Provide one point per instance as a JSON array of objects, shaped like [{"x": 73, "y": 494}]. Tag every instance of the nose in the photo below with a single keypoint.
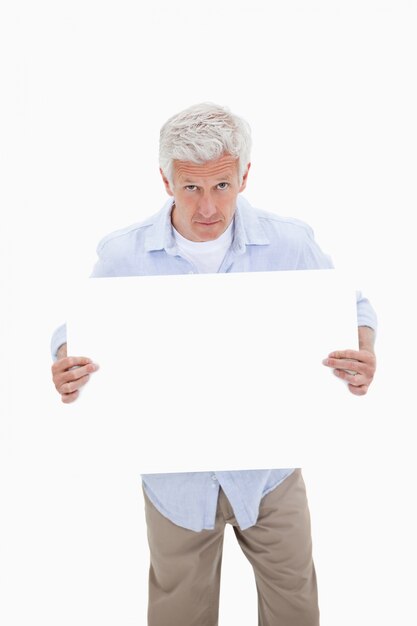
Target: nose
[{"x": 207, "y": 207}]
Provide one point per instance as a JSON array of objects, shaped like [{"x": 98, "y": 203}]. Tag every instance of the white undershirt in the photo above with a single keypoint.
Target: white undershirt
[{"x": 207, "y": 256}]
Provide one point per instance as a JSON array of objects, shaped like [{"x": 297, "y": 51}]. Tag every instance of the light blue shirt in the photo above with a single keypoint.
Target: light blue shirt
[{"x": 262, "y": 241}]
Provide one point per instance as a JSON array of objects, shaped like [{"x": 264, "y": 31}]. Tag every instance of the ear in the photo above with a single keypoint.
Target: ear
[
  {"x": 166, "y": 183},
  {"x": 245, "y": 177}
]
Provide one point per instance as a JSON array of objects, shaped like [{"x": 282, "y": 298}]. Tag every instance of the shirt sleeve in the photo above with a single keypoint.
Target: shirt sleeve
[
  {"x": 111, "y": 257},
  {"x": 314, "y": 258},
  {"x": 366, "y": 313},
  {"x": 58, "y": 338},
  {"x": 103, "y": 267},
  {"x": 311, "y": 255}
]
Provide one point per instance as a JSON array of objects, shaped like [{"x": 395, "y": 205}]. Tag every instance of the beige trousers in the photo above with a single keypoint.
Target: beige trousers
[{"x": 184, "y": 576}]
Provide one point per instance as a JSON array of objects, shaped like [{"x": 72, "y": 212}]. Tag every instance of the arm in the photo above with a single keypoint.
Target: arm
[
  {"x": 356, "y": 367},
  {"x": 69, "y": 374}
]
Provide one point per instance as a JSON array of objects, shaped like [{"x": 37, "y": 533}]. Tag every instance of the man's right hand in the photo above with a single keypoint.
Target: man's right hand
[{"x": 69, "y": 373}]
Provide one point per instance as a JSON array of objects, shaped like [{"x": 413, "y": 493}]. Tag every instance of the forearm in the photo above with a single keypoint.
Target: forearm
[{"x": 366, "y": 336}]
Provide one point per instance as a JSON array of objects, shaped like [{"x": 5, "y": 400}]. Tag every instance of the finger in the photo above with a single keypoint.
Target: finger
[
  {"x": 70, "y": 397},
  {"x": 350, "y": 367},
  {"x": 68, "y": 388},
  {"x": 362, "y": 356},
  {"x": 344, "y": 354},
  {"x": 73, "y": 374},
  {"x": 68, "y": 362},
  {"x": 355, "y": 380},
  {"x": 358, "y": 391},
  {"x": 83, "y": 370},
  {"x": 76, "y": 373},
  {"x": 344, "y": 364}
]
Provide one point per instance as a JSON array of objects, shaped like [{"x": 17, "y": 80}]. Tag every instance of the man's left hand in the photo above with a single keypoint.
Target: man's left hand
[{"x": 356, "y": 367}]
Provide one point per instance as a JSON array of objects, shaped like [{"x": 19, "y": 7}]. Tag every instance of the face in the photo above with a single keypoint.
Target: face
[{"x": 205, "y": 196}]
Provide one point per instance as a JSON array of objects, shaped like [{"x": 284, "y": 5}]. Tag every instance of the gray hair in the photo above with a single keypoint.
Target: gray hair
[{"x": 201, "y": 133}]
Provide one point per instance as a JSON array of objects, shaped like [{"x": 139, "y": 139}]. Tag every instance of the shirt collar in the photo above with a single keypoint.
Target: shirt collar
[
  {"x": 159, "y": 235},
  {"x": 248, "y": 229}
]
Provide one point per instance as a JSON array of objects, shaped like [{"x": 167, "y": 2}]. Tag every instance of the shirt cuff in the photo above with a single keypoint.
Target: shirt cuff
[{"x": 58, "y": 338}]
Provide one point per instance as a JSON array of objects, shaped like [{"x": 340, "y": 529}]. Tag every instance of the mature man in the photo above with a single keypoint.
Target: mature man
[{"x": 207, "y": 227}]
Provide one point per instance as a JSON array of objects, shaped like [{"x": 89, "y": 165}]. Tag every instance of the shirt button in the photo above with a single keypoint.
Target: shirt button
[{"x": 213, "y": 477}]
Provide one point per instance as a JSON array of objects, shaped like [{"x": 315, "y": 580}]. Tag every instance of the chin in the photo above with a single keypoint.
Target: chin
[
  {"x": 208, "y": 236},
  {"x": 205, "y": 233}
]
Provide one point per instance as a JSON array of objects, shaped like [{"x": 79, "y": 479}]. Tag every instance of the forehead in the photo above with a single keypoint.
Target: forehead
[{"x": 225, "y": 166}]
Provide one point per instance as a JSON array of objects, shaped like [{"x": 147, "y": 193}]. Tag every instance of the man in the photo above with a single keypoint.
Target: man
[{"x": 207, "y": 227}]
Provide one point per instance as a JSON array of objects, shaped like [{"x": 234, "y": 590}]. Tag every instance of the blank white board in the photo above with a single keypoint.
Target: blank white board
[{"x": 223, "y": 370}]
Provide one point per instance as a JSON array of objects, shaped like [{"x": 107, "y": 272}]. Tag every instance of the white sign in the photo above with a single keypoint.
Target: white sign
[{"x": 223, "y": 371}]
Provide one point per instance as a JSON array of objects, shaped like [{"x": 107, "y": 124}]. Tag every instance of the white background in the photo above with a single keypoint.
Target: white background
[{"x": 329, "y": 90}]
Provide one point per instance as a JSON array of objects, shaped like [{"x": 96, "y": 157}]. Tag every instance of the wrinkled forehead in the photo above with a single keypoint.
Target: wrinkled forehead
[{"x": 224, "y": 167}]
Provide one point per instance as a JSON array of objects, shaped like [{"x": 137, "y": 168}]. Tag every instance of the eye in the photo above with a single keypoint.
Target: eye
[
  {"x": 191, "y": 187},
  {"x": 225, "y": 187}
]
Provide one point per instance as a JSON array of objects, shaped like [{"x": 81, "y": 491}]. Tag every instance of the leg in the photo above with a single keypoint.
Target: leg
[
  {"x": 184, "y": 575},
  {"x": 279, "y": 548}
]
